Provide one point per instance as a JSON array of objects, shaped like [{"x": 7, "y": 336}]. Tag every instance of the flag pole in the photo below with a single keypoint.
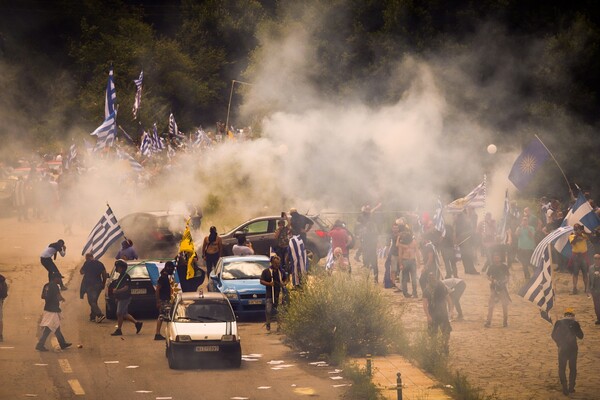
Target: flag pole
[{"x": 558, "y": 165}]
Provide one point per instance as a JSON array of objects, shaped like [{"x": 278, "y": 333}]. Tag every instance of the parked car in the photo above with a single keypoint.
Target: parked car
[
  {"x": 238, "y": 278},
  {"x": 143, "y": 296},
  {"x": 154, "y": 233},
  {"x": 261, "y": 233},
  {"x": 202, "y": 326}
]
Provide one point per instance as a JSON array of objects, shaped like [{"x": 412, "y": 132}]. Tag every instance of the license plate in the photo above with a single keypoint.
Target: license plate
[
  {"x": 207, "y": 348},
  {"x": 138, "y": 291},
  {"x": 256, "y": 301}
]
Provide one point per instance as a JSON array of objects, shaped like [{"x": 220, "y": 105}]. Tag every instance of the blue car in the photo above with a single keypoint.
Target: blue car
[{"x": 238, "y": 278}]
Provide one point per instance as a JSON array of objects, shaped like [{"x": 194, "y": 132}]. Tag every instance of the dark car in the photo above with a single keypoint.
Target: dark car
[
  {"x": 238, "y": 278},
  {"x": 261, "y": 233},
  {"x": 154, "y": 233},
  {"x": 143, "y": 296}
]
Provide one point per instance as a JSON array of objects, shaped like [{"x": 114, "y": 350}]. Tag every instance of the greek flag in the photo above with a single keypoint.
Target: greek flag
[
  {"x": 103, "y": 235},
  {"x": 475, "y": 199},
  {"x": 173, "y": 131},
  {"x": 146, "y": 145},
  {"x": 329, "y": 260},
  {"x": 105, "y": 133},
  {"x": 539, "y": 289},
  {"x": 157, "y": 144},
  {"x": 71, "y": 156},
  {"x": 138, "y": 94},
  {"x": 111, "y": 95},
  {"x": 201, "y": 138},
  {"x": 299, "y": 259},
  {"x": 582, "y": 213},
  {"x": 551, "y": 238},
  {"x": 136, "y": 166},
  {"x": 438, "y": 219},
  {"x": 505, "y": 213}
]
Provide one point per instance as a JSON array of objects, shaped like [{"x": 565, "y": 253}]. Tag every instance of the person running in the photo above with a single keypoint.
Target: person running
[
  {"x": 47, "y": 256},
  {"x": 565, "y": 334},
  {"x": 212, "y": 248},
  {"x": 51, "y": 317},
  {"x": 94, "y": 279},
  {"x": 121, "y": 289}
]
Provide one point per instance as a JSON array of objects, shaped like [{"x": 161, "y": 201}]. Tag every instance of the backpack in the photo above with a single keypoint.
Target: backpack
[{"x": 3, "y": 287}]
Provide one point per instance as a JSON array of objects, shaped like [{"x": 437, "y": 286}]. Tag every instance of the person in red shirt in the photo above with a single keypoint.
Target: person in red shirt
[{"x": 340, "y": 237}]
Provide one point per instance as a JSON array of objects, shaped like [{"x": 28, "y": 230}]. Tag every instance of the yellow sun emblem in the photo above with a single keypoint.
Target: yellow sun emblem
[{"x": 528, "y": 164}]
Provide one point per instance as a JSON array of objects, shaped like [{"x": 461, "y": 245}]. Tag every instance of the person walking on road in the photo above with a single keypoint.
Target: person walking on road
[
  {"x": 52, "y": 313},
  {"x": 163, "y": 296},
  {"x": 47, "y": 256},
  {"x": 273, "y": 279},
  {"x": 407, "y": 257},
  {"x": 498, "y": 274},
  {"x": 121, "y": 289},
  {"x": 212, "y": 248},
  {"x": 565, "y": 334},
  {"x": 593, "y": 285},
  {"x": 456, "y": 287},
  {"x": 94, "y": 279},
  {"x": 3, "y": 296},
  {"x": 525, "y": 245}
]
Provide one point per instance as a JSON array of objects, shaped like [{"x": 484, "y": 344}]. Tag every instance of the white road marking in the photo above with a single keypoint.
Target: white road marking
[
  {"x": 264, "y": 387},
  {"x": 164, "y": 398},
  {"x": 342, "y": 385},
  {"x": 275, "y": 362},
  {"x": 6, "y": 348},
  {"x": 76, "y": 387},
  {"x": 132, "y": 366},
  {"x": 41, "y": 365},
  {"x": 239, "y": 398},
  {"x": 335, "y": 378},
  {"x": 143, "y": 391},
  {"x": 335, "y": 371},
  {"x": 111, "y": 362},
  {"x": 254, "y": 355},
  {"x": 65, "y": 366},
  {"x": 30, "y": 395}
]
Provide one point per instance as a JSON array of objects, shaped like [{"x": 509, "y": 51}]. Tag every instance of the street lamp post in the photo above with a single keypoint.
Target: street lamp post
[{"x": 233, "y": 82}]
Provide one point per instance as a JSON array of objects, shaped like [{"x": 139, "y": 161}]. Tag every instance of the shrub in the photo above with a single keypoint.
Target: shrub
[
  {"x": 362, "y": 387},
  {"x": 341, "y": 315}
]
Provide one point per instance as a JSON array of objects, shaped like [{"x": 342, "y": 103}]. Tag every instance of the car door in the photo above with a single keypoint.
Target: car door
[{"x": 258, "y": 233}]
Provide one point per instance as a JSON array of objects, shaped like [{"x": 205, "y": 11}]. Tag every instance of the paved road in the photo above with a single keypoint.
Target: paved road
[{"x": 131, "y": 366}]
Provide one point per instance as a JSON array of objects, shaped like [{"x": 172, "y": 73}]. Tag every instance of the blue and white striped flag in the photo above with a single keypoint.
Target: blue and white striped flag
[
  {"x": 438, "y": 219},
  {"x": 71, "y": 156},
  {"x": 136, "y": 166},
  {"x": 111, "y": 95},
  {"x": 138, "y": 94},
  {"x": 539, "y": 289},
  {"x": 299, "y": 259},
  {"x": 146, "y": 145},
  {"x": 329, "y": 260},
  {"x": 173, "y": 131},
  {"x": 505, "y": 213},
  {"x": 549, "y": 240},
  {"x": 157, "y": 144},
  {"x": 582, "y": 213},
  {"x": 105, "y": 133},
  {"x": 475, "y": 199},
  {"x": 103, "y": 235}
]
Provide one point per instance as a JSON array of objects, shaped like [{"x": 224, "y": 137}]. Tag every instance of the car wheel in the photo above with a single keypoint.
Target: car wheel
[
  {"x": 174, "y": 362},
  {"x": 111, "y": 309},
  {"x": 236, "y": 358},
  {"x": 312, "y": 256}
]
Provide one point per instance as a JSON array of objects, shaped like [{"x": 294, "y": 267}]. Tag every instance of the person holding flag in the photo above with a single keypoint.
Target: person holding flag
[
  {"x": 186, "y": 260},
  {"x": 578, "y": 261}
]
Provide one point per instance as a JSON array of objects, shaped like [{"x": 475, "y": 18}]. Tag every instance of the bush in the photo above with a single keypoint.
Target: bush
[
  {"x": 341, "y": 315},
  {"x": 362, "y": 387}
]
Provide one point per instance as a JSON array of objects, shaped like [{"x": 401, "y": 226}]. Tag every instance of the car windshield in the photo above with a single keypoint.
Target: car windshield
[
  {"x": 244, "y": 269},
  {"x": 203, "y": 310},
  {"x": 138, "y": 271}
]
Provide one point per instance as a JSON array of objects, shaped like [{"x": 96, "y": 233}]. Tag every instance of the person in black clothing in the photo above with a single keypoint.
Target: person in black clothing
[
  {"x": 94, "y": 279},
  {"x": 448, "y": 252},
  {"x": 121, "y": 289},
  {"x": 47, "y": 256},
  {"x": 435, "y": 305},
  {"x": 498, "y": 274},
  {"x": 300, "y": 224},
  {"x": 465, "y": 237},
  {"x": 274, "y": 279},
  {"x": 51, "y": 316},
  {"x": 565, "y": 334},
  {"x": 163, "y": 296}
]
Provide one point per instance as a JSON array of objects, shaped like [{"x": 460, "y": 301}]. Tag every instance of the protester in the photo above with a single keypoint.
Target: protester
[
  {"x": 273, "y": 279},
  {"x": 300, "y": 224},
  {"x": 127, "y": 251},
  {"x": 340, "y": 237},
  {"x": 465, "y": 236},
  {"x": 3, "y": 296},
  {"x": 578, "y": 261},
  {"x": 498, "y": 275},
  {"x": 448, "y": 252},
  {"x": 593, "y": 285},
  {"x": 435, "y": 305},
  {"x": 47, "y": 256},
  {"x": 163, "y": 296},
  {"x": 121, "y": 289},
  {"x": 525, "y": 245},
  {"x": 52, "y": 313},
  {"x": 340, "y": 263},
  {"x": 487, "y": 232},
  {"x": 212, "y": 249},
  {"x": 282, "y": 239},
  {"x": 20, "y": 199},
  {"x": 407, "y": 256},
  {"x": 369, "y": 246},
  {"x": 392, "y": 266},
  {"x": 243, "y": 247},
  {"x": 456, "y": 287},
  {"x": 94, "y": 279},
  {"x": 565, "y": 334}
]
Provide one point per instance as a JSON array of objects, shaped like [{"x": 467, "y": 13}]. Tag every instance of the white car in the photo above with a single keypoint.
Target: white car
[{"x": 202, "y": 326}]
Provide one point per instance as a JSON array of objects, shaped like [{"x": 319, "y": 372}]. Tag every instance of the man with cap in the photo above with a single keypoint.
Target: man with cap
[
  {"x": 565, "y": 334},
  {"x": 121, "y": 290},
  {"x": 51, "y": 316}
]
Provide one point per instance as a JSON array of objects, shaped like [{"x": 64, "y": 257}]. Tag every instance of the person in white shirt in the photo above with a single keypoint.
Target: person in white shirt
[
  {"x": 47, "y": 256},
  {"x": 243, "y": 247}
]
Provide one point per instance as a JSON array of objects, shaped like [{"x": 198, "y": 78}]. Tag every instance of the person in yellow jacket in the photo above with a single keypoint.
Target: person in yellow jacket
[{"x": 578, "y": 261}]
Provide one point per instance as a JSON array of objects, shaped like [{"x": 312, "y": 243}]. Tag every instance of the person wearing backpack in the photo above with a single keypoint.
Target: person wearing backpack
[
  {"x": 565, "y": 334},
  {"x": 3, "y": 295}
]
